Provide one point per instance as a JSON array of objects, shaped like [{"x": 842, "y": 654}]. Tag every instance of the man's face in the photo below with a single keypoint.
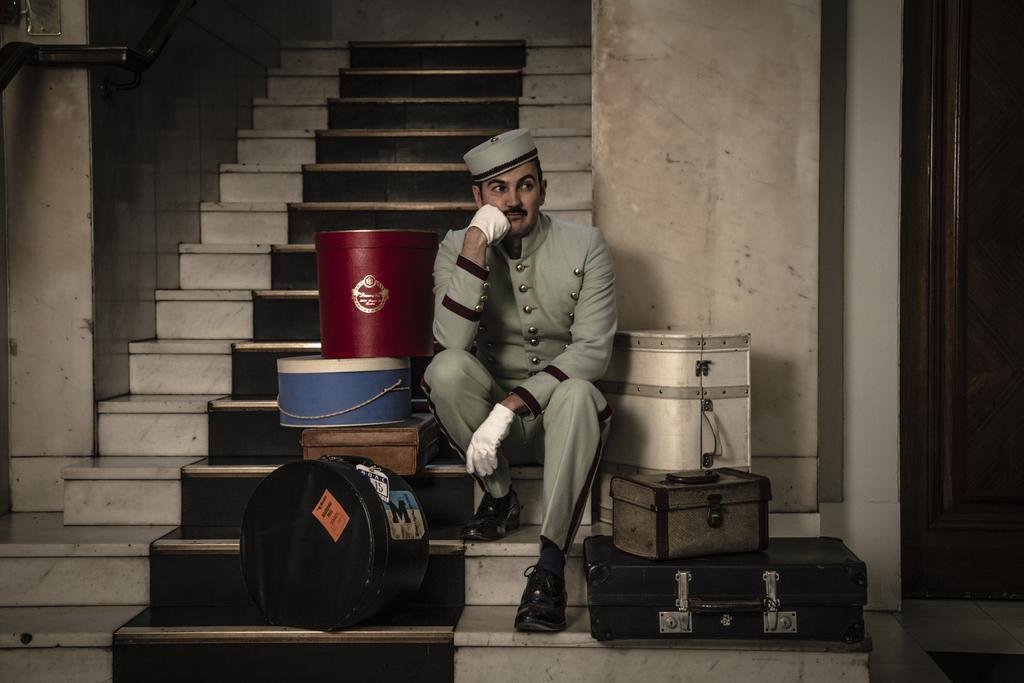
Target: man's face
[{"x": 517, "y": 194}]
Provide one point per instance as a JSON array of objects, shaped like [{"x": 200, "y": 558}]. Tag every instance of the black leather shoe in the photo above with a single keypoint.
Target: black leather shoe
[
  {"x": 493, "y": 519},
  {"x": 543, "y": 605}
]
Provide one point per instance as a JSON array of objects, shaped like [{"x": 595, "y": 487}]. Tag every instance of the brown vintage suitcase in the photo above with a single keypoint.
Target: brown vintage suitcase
[
  {"x": 690, "y": 513},
  {"x": 402, "y": 447}
]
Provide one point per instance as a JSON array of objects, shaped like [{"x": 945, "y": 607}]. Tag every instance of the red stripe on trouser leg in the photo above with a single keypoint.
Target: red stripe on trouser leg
[{"x": 581, "y": 501}]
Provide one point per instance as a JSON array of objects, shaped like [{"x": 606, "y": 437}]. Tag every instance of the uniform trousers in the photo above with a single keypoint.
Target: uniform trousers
[{"x": 566, "y": 438}]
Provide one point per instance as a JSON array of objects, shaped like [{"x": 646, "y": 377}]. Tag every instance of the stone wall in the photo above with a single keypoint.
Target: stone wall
[{"x": 706, "y": 187}]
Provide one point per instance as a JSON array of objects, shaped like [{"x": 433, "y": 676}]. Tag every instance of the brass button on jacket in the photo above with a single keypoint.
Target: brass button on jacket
[
  {"x": 535, "y": 360},
  {"x": 527, "y": 309},
  {"x": 577, "y": 272},
  {"x": 532, "y": 329},
  {"x": 534, "y": 342},
  {"x": 520, "y": 267},
  {"x": 524, "y": 288},
  {"x": 575, "y": 295}
]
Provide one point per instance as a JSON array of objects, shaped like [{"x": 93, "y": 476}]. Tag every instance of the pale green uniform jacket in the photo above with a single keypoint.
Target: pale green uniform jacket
[{"x": 538, "y": 320}]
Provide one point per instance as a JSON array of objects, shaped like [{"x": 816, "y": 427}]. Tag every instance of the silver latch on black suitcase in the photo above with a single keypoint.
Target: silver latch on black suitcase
[
  {"x": 681, "y": 621},
  {"x": 774, "y": 620}
]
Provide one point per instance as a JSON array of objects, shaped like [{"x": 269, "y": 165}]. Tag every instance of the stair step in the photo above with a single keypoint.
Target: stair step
[
  {"x": 284, "y": 146},
  {"x": 289, "y": 113},
  {"x": 43, "y": 562},
  {"x": 398, "y": 146},
  {"x": 195, "y": 566},
  {"x": 567, "y": 55},
  {"x": 494, "y": 570},
  {"x": 62, "y": 643},
  {"x": 243, "y": 222},
  {"x": 286, "y": 315},
  {"x": 301, "y": 83},
  {"x": 376, "y": 82},
  {"x": 254, "y": 365},
  {"x": 216, "y": 495},
  {"x": 422, "y": 182},
  {"x": 293, "y": 266},
  {"x": 273, "y": 182},
  {"x": 424, "y": 112},
  {"x": 204, "y": 314},
  {"x": 180, "y": 366},
  {"x": 487, "y": 643},
  {"x": 235, "y": 643},
  {"x": 402, "y": 146},
  {"x": 250, "y": 428},
  {"x": 493, "y": 53},
  {"x": 314, "y": 56},
  {"x": 154, "y": 425},
  {"x": 305, "y": 219},
  {"x": 224, "y": 266},
  {"x": 126, "y": 491}
]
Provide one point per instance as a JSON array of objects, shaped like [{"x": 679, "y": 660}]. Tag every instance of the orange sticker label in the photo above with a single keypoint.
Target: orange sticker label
[{"x": 330, "y": 513}]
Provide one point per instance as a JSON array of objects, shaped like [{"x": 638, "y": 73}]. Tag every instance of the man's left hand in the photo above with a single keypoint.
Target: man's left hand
[{"x": 482, "y": 454}]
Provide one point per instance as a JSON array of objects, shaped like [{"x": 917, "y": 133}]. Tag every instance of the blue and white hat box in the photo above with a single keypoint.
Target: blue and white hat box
[{"x": 343, "y": 392}]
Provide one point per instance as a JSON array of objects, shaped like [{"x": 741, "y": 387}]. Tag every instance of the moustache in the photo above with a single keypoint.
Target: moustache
[{"x": 511, "y": 214}]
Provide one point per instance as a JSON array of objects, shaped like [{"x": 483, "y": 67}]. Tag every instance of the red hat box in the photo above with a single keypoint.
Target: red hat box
[{"x": 376, "y": 292}]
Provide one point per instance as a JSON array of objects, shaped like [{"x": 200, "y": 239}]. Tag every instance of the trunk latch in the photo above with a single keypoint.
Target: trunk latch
[
  {"x": 774, "y": 620},
  {"x": 715, "y": 510},
  {"x": 681, "y": 621}
]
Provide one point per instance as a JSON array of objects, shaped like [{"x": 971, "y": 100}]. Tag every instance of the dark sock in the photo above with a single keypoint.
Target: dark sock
[{"x": 551, "y": 558}]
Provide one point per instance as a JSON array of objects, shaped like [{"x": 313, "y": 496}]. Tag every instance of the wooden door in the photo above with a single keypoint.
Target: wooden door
[{"x": 962, "y": 299}]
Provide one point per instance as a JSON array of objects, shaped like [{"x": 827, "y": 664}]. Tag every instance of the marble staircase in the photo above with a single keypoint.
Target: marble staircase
[{"x": 140, "y": 574}]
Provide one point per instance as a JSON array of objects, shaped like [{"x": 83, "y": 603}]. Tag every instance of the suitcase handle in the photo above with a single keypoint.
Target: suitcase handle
[
  {"x": 350, "y": 459},
  {"x": 725, "y": 606},
  {"x": 707, "y": 458},
  {"x": 691, "y": 477}
]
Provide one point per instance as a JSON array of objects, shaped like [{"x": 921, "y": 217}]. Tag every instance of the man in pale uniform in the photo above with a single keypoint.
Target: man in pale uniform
[{"x": 525, "y": 310}]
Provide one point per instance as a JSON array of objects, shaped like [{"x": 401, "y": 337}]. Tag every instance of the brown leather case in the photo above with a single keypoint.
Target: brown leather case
[
  {"x": 404, "y": 447},
  {"x": 688, "y": 514}
]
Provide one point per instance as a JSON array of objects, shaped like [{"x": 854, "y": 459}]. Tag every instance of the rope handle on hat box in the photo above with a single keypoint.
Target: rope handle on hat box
[{"x": 394, "y": 387}]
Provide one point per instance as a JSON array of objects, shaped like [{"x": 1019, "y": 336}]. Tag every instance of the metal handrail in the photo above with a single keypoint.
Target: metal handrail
[{"x": 15, "y": 55}]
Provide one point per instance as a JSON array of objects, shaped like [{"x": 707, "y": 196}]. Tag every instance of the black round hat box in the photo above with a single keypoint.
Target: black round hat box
[{"x": 329, "y": 543}]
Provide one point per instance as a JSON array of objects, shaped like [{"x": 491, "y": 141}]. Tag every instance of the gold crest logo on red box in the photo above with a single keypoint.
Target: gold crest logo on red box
[{"x": 369, "y": 295}]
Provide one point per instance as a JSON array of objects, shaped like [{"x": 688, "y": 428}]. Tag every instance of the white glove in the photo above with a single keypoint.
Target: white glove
[
  {"x": 492, "y": 223},
  {"x": 482, "y": 454}
]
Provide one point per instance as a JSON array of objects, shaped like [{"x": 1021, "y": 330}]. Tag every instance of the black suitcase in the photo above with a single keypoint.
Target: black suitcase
[{"x": 795, "y": 589}]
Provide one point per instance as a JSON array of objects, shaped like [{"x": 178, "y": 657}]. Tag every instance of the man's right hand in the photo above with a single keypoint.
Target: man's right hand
[{"x": 492, "y": 222}]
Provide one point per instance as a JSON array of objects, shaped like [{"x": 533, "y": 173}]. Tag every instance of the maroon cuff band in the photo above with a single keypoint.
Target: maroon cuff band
[
  {"x": 472, "y": 268},
  {"x": 529, "y": 400},
  {"x": 460, "y": 310},
  {"x": 604, "y": 414},
  {"x": 556, "y": 373}
]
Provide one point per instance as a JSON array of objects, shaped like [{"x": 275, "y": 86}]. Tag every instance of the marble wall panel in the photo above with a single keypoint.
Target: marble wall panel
[
  {"x": 706, "y": 184},
  {"x": 49, "y": 205},
  {"x": 79, "y": 664},
  {"x": 37, "y": 484},
  {"x": 5, "y": 370},
  {"x": 156, "y": 152},
  {"x": 869, "y": 516}
]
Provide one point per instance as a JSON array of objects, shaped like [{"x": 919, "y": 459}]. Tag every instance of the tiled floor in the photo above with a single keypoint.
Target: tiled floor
[{"x": 903, "y": 639}]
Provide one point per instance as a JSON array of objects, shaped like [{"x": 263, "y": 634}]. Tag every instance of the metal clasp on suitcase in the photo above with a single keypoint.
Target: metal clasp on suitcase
[
  {"x": 774, "y": 620},
  {"x": 681, "y": 621}
]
